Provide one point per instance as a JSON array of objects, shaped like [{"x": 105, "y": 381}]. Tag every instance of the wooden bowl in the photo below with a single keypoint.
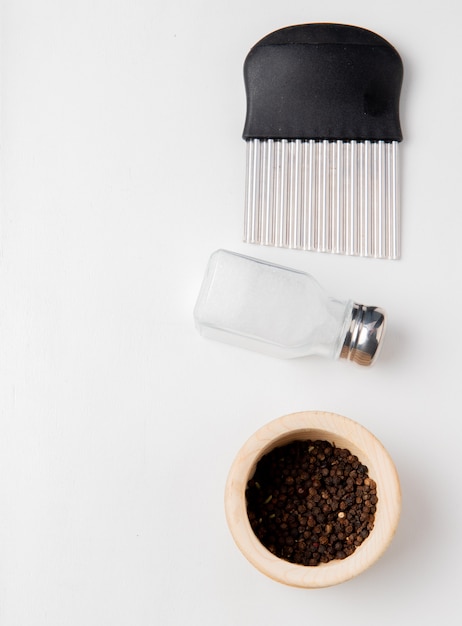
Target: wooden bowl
[{"x": 343, "y": 433}]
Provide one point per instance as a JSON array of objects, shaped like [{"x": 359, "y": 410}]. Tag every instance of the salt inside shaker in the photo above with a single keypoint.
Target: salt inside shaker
[{"x": 283, "y": 312}]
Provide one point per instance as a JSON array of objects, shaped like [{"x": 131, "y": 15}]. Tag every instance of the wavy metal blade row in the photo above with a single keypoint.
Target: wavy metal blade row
[{"x": 326, "y": 196}]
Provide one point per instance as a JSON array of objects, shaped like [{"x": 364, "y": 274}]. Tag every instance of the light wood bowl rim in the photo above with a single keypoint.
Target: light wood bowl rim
[{"x": 345, "y": 433}]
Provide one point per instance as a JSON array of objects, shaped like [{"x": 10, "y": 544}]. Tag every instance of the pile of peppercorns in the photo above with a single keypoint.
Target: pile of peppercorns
[{"x": 310, "y": 502}]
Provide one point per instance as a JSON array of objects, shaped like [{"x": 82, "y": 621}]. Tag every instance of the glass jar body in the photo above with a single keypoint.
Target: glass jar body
[{"x": 272, "y": 309}]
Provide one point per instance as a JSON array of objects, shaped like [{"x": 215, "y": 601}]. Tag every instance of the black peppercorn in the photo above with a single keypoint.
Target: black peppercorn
[{"x": 310, "y": 502}]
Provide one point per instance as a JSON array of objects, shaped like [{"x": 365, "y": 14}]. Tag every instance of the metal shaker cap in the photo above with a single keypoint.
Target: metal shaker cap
[{"x": 364, "y": 336}]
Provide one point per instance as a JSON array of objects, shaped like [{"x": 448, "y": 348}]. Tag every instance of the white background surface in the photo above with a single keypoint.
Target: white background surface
[{"x": 122, "y": 170}]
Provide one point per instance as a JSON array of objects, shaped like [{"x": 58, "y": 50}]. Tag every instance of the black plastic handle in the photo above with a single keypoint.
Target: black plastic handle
[{"x": 323, "y": 81}]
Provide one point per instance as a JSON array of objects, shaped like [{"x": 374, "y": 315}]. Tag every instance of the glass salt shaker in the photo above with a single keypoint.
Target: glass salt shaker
[{"x": 283, "y": 312}]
